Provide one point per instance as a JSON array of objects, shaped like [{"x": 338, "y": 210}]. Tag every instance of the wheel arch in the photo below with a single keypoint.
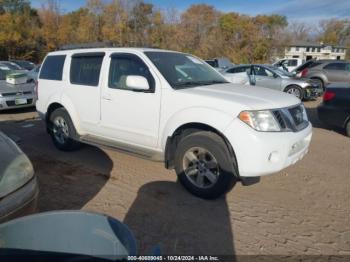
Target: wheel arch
[
  {"x": 68, "y": 106},
  {"x": 186, "y": 129}
]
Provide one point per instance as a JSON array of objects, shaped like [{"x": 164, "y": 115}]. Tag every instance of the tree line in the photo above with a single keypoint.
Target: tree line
[{"x": 29, "y": 33}]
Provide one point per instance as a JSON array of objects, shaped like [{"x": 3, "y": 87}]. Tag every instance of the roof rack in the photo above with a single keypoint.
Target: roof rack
[{"x": 87, "y": 45}]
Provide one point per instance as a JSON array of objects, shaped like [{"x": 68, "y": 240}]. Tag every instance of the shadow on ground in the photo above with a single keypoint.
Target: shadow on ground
[
  {"x": 164, "y": 213},
  {"x": 65, "y": 179}
]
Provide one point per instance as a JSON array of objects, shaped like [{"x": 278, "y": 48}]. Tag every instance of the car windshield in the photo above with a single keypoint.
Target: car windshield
[
  {"x": 184, "y": 71},
  {"x": 11, "y": 66}
]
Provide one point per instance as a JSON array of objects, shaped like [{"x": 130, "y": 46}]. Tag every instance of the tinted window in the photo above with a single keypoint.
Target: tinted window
[
  {"x": 335, "y": 66},
  {"x": 123, "y": 65},
  {"x": 53, "y": 67},
  {"x": 85, "y": 69},
  {"x": 237, "y": 70}
]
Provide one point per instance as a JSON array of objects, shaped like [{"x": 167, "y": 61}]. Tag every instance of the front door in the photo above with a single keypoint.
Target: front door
[
  {"x": 128, "y": 115},
  {"x": 266, "y": 78}
]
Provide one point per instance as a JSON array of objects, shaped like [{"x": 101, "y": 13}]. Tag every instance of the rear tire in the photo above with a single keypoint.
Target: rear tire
[
  {"x": 347, "y": 129},
  {"x": 62, "y": 130},
  {"x": 295, "y": 90},
  {"x": 204, "y": 165}
]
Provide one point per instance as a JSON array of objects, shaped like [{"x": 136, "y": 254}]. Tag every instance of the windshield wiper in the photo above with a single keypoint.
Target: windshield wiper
[{"x": 199, "y": 83}]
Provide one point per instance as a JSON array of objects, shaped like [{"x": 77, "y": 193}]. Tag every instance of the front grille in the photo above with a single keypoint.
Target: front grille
[
  {"x": 297, "y": 115},
  {"x": 12, "y": 103},
  {"x": 291, "y": 119},
  {"x": 280, "y": 120},
  {"x": 19, "y": 93}
]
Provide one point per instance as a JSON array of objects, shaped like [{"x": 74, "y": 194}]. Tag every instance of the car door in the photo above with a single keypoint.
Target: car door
[
  {"x": 266, "y": 78},
  {"x": 128, "y": 115},
  {"x": 336, "y": 72},
  {"x": 83, "y": 87},
  {"x": 237, "y": 75}
]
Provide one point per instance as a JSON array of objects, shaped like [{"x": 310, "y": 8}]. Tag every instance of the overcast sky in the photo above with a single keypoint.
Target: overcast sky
[{"x": 299, "y": 10}]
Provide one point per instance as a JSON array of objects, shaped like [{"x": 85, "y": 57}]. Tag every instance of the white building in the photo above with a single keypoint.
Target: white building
[{"x": 307, "y": 51}]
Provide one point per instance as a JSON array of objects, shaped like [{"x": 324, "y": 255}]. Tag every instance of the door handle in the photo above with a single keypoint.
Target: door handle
[{"x": 107, "y": 97}]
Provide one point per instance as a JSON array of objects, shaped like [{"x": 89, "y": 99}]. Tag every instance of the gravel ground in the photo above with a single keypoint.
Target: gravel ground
[{"x": 303, "y": 210}]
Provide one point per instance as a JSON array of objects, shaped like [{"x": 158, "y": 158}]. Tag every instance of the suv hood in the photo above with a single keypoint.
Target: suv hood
[{"x": 250, "y": 97}]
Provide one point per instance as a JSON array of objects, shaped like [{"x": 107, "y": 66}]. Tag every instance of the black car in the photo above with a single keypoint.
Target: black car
[{"x": 335, "y": 109}]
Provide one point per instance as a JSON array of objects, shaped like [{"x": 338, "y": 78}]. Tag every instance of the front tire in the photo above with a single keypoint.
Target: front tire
[
  {"x": 319, "y": 82},
  {"x": 62, "y": 130},
  {"x": 295, "y": 90},
  {"x": 204, "y": 165}
]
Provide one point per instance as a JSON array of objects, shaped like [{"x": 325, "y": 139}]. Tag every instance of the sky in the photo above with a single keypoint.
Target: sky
[{"x": 294, "y": 10}]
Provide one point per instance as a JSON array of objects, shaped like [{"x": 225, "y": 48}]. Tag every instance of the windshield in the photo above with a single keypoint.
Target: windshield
[
  {"x": 183, "y": 71},
  {"x": 11, "y": 66}
]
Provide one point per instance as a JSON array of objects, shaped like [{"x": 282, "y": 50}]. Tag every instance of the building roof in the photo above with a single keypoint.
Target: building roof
[{"x": 308, "y": 44}]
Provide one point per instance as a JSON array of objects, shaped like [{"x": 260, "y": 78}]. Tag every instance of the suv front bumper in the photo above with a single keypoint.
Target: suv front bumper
[
  {"x": 264, "y": 153},
  {"x": 11, "y": 102}
]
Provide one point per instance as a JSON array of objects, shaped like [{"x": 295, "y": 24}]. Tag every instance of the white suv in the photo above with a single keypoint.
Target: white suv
[{"x": 172, "y": 107}]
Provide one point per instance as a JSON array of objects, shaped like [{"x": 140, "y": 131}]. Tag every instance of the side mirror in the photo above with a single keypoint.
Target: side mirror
[
  {"x": 275, "y": 75},
  {"x": 137, "y": 83},
  {"x": 252, "y": 80}
]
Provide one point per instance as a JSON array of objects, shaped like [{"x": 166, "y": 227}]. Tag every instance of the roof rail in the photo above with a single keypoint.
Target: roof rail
[{"x": 87, "y": 45}]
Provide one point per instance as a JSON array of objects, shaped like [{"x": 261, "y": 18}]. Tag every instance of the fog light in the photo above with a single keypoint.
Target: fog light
[{"x": 274, "y": 157}]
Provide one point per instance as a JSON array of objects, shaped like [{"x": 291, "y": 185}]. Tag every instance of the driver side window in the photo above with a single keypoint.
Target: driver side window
[{"x": 123, "y": 65}]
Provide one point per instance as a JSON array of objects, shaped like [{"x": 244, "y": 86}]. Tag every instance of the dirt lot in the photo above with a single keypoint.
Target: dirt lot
[{"x": 305, "y": 209}]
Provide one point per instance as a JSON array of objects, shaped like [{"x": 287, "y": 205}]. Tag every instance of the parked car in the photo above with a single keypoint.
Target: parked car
[
  {"x": 325, "y": 72},
  {"x": 33, "y": 74},
  {"x": 24, "y": 64},
  {"x": 335, "y": 108},
  {"x": 220, "y": 63},
  {"x": 6, "y": 65},
  {"x": 171, "y": 107},
  {"x": 272, "y": 77},
  {"x": 302, "y": 69},
  {"x": 288, "y": 64},
  {"x": 15, "y": 96},
  {"x": 18, "y": 185}
]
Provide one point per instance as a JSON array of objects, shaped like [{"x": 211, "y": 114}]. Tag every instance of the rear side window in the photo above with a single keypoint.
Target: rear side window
[
  {"x": 335, "y": 66},
  {"x": 85, "y": 68},
  {"x": 53, "y": 67},
  {"x": 237, "y": 70}
]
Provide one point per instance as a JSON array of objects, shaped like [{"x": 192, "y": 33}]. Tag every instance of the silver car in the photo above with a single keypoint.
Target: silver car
[
  {"x": 15, "y": 96},
  {"x": 18, "y": 184},
  {"x": 272, "y": 77}
]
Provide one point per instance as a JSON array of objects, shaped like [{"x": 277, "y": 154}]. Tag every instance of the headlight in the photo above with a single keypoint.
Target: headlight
[
  {"x": 260, "y": 120},
  {"x": 19, "y": 172}
]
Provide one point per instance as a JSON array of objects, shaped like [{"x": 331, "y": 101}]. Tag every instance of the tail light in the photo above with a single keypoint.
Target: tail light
[
  {"x": 304, "y": 72},
  {"x": 328, "y": 96}
]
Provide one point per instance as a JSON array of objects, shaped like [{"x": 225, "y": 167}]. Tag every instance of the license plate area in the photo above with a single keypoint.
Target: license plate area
[{"x": 20, "y": 101}]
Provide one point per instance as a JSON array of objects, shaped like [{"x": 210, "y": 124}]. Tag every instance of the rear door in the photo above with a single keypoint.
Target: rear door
[
  {"x": 83, "y": 88},
  {"x": 237, "y": 75},
  {"x": 127, "y": 115}
]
